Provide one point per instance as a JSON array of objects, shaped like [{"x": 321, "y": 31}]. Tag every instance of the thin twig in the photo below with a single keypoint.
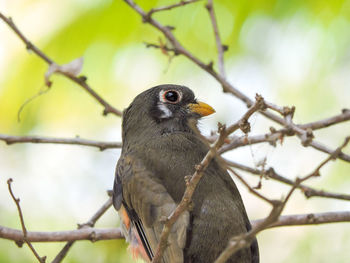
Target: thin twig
[
  {"x": 9, "y": 139},
  {"x": 253, "y": 191},
  {"x": 332, "y": 156},
  {"x": 272, "y": 138},
  {"x": 243, "y": 241},
  {"x": 221, "y": 48},
  {"x": 271, "y": 173},
  {"x": 169, "y": 7},
  {"x": 24, "y": 229},
  {"x": 88, "y": 224},
  {"x": 79, "y": 80},
  {"x": 275, "y": 135}
]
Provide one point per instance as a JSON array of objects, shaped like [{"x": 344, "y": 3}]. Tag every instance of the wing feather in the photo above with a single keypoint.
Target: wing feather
[{"x": 147, "y": 203}]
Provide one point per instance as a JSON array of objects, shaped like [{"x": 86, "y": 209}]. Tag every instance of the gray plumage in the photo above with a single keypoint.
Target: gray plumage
[{"x": 159, "y": 150}]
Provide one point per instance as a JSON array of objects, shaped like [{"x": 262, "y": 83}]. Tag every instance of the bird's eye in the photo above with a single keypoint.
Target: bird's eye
[{"x": 171, "y": 96}]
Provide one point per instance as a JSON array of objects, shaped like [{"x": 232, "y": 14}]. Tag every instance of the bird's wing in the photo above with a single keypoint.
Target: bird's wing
[{"x": 146, "y": 202}]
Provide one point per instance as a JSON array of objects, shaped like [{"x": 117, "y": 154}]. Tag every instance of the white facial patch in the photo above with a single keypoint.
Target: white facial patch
[{"x": 164, "y": 109}]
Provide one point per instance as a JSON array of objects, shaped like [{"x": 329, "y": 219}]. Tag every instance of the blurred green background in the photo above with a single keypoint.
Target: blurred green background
[{"x": 291, "y": 52}]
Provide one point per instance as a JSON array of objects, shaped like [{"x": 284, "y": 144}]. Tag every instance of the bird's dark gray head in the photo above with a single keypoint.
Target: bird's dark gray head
[{"x": 163, "y": 109}]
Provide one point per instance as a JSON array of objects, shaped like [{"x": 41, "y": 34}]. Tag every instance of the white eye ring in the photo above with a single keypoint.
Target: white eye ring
[{"x": 167, "y": 96}]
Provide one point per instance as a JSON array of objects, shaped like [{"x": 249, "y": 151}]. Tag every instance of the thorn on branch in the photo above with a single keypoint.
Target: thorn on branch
[
  {"x": 288, "y": 111},
  {"x": 225, "y": 48},
  {"x": 260, "y": 101},
  {"x": 221, "y": 127},
  {"x": 170, "y": 27},
  {"x": 188, "y": 179},
  {"x": 209, "y": 6},
  {"x": 29, "y": 46},
  {"x": 190, "y": 206},
  {"x": 83, "y": 78},
  {"x": 311, "y": 218},
  {"x": 163, "y": 219},
  {"x": 306, "y": 137},
  {"x": 19, "y": 243},
  {"x": 146, "y": 18},
  {"x": 198, "y": 168},
  {"x": 210, "y": 65},
  {"x": 244, "y": 125},
  {"x": 93, "y": 237}
]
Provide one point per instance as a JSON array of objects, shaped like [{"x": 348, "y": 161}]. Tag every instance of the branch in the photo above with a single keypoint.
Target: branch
[
  {"x": 192, "y": 181},
  {"x": 220, "y": 47},
  {"x": 227, "y": 87},
  {"x": 73, "y": 141},
  {"x": 24, "y": 230},
  {"x": 309, "y": 219},
  {"x": 87, "y": 225},
  {"x": 179, "y": 49},
  {"x": 271, "y": 173},
  {"x": 251, "y": 189},
  {"x": 344, "y": 116},
  {"x": 275, "y": 135},
  {"x": 169, "y": 7},
  {"x": 94, "y": 234},
  {"x": 81, "y": 81},
  {"x": 244, "y": 240},
  {"x": 289, "y": 220},
  {"x": 88, "y": 233}
]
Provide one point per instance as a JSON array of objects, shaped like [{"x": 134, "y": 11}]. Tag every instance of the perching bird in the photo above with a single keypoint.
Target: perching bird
[{"x": 160, "y": 148}]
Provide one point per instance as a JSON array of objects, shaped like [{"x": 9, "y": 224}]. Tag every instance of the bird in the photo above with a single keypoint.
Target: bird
[{"x": 161, "y": 146}]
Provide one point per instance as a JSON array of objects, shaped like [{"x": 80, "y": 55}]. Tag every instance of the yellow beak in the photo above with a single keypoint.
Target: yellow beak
[{"x": 201, "y": 108}]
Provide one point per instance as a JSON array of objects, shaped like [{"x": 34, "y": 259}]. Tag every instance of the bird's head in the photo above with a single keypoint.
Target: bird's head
[{"x": 163, "y": 109}]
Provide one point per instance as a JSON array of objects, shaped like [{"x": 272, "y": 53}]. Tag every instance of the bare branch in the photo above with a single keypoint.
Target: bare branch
[
  {"x": 270, "y": 173},
  {"x": 275, "y": 135},
  {"x": 95, "y": 234},
  {"x": 88, "y": 224},
  {"x": 220, "y": 47},
  {"x": 244, "y": 240},
  {"x": 179, "y": 49},
  {"x": 169, "y": 7},
  {"x": 162, "y": 47},
  {"x": 325, "y": 149},
  {"x": 253, "y": 191},
  {"x": 344, "y": 116},
  {"x": 9, "y": 139},
  {"x": 309, "y": 219},
  {"x": 334, "y": 155},
  {"x": 227, "y": 87},
  {"x": 24, "y": 230},
  {"x": 79, "y": 80},
  {"x": 88, "y": 233}
]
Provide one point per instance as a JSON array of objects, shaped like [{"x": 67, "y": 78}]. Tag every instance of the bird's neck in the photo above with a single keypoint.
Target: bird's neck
[{"x": 144, "y": 131}]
